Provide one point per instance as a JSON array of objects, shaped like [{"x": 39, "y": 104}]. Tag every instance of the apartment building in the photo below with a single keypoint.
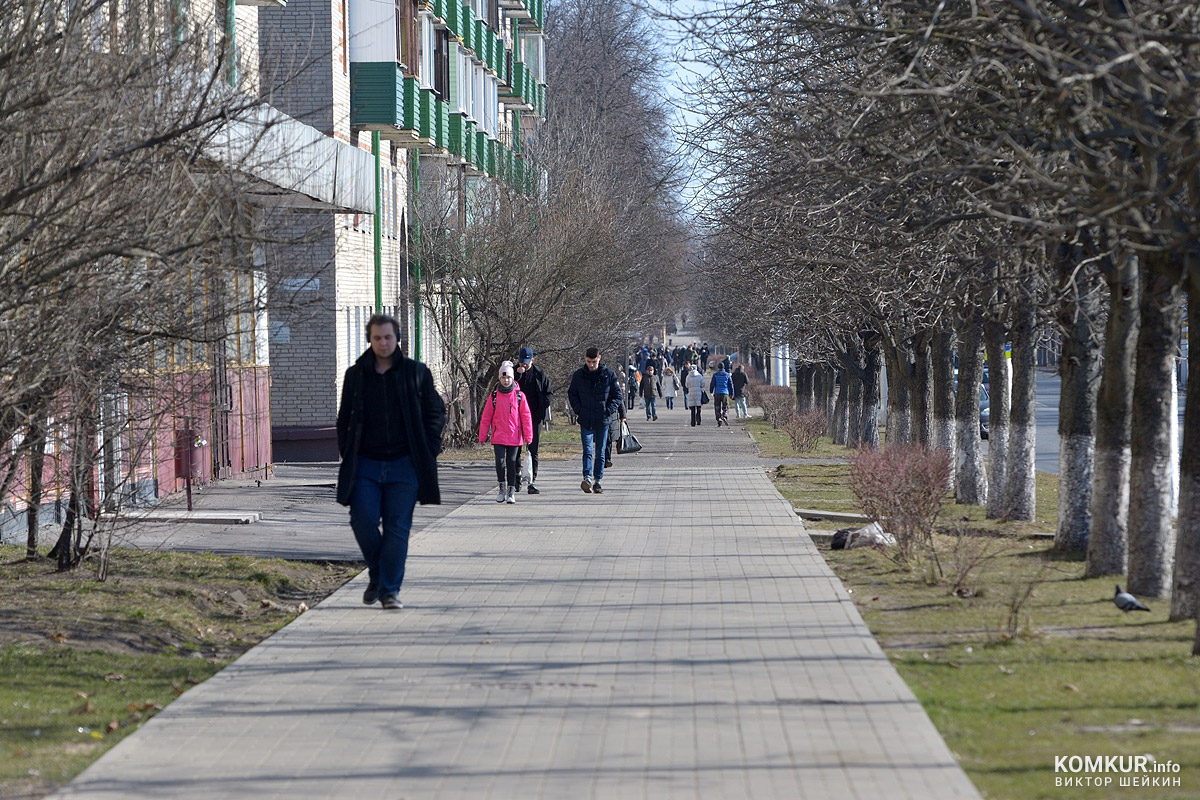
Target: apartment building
[
  {"x": 217, "y": 391},
  {"x": 443, "y": 84}
]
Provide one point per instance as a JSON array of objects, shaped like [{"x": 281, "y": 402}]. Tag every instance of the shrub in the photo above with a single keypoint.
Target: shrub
[
  {"x": 902, "y": 488},
  {"x": 778, "y": 402},
  {"x": 804, "y": 429}
]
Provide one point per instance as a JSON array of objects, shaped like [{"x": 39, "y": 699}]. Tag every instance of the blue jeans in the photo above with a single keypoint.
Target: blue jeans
[
  {"x": 594, "y": 441},
  {"x": 670, "y": 403},
  {"x": 739, "y": 406},
  {"x": 652, "y": 407},
  {"x": 387, "y": 491}
]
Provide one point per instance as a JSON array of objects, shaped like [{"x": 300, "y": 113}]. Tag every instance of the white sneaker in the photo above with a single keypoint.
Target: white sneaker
[
  {"x": 500, "y": 495},
  {"x": 511, "y": 497}
]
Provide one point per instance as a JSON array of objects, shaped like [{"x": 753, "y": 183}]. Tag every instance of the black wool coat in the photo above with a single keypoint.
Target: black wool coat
[{"x": 424, "y": 416}]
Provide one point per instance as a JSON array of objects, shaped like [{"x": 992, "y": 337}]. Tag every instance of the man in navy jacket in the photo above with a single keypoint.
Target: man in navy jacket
[{"x": 595, "y": 398}]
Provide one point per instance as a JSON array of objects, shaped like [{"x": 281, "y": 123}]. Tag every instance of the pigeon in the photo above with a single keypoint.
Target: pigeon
[{"x": 1127, "y": 602}]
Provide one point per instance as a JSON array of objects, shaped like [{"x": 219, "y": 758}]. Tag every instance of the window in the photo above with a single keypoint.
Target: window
[
  {"x": 406, "y": 35},
  {"x": 441, "y": 64},
  {"x": 426, "y": 55}
]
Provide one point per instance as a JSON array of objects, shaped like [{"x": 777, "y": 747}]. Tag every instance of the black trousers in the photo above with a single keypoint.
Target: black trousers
[
  {"x": 533, "y": 446},
  {"x": 695, "y": 415},
  {"x": 508, "y": 463}
]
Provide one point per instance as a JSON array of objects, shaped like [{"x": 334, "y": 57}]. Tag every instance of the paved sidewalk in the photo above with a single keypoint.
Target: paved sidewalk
[{"x": 677, "y": 636}]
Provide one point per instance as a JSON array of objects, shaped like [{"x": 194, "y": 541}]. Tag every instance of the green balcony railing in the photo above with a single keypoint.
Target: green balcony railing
[{"x": 383, "y": 99}]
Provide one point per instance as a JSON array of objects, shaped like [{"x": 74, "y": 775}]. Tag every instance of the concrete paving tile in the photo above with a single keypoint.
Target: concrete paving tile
[{"x": 677, "y": 636}]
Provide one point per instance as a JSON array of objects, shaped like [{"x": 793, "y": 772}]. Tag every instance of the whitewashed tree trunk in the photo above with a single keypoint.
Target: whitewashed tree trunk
[
  {"x": 1078, "y": 316},
  {"x": 944, "y": 437},
  {"x": 1020, "y": 486},
  {"x": 873, "y": 365},
  {"x": 922, "y": 396},
  {"x": 994, "y": 336},
  {"x": 899, "y": 400},
  {"x": 1151, "y": 526},
  {"x": 971, "y": 482},
  {"x": 1185, "y": 585},
  {"x": 1107, "y": 550}
]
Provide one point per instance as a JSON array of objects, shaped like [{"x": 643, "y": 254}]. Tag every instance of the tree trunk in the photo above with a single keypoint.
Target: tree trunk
[
  {"x": 1151, "y": 535},
  {"x": 994, "y": 334},
  {"x": 840, "y": 430},
  {"x": 1185, "y": 592},
  {"x": 873, "y": 360},
  {"x": 854, "y": 394},
  {"x": 37, "y": 463},
  {"x": 899, "y": 400},
  {"x": 828, "y": 388},
  {"x": 1078, "y": 316},
  {"x": 971, "y": 481},
  {"x": 1109, "y": 539},
  {"x": 1020, "y": 485},
  {"x": 922, "y": 396},
  {"x": 943, "y": 393}
]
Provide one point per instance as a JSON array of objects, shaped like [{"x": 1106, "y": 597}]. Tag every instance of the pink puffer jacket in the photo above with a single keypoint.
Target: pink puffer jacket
[{"x": 506, "y": 415}]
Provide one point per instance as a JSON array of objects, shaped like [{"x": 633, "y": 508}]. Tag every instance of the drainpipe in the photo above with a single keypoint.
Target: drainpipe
[
  {"x": 231, "y": 67},
  {"x": 378, "y": 226},
  {"x": 416, "y": 229}
]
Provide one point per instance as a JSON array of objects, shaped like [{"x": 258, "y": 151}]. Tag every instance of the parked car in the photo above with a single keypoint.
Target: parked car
[{"x": 985, "y": 412}]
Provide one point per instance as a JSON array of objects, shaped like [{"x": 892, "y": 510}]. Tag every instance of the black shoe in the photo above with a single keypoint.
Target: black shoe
[
  {"x": 392, "y": 601},
  {"x": 370, "y": 595},
  {"x": 533, "y": 489},
  {"x": 586, "y": 485},
  {"x": 597, "y": 489},
  {"x": 608, "y": 465},
  {"x": 655, "y": 418}
]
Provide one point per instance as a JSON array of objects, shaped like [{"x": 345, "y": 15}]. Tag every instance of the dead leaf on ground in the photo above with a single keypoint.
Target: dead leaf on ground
[
  {"x": 58, "y": 637},
  {"x": 112, "y": 726},
  {"x": 86, "y": 708},
  {"x": 114, "y": 677},
  {"x": 1070, "y": 687}
]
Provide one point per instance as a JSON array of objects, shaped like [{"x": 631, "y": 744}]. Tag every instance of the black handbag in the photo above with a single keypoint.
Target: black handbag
[
  {"x": 704, "y": 398},
  {"x": 627, "y": 443}
]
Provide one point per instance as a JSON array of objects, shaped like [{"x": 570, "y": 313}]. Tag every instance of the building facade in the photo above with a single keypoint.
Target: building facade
[{"x": 445, "y": 84}]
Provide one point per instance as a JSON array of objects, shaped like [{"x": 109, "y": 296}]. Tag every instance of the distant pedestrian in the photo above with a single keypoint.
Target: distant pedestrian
[
  {"x": 507, "y": 418},
  {"x": 740, "y": 379},
  {"x": 614, "y": 431},
  {"x": 721, "y": 389},
  {"x": 536, "y": 386},
  {"x": 694, "y": 382},
  {"x": 389, "y": 430},
  {"x": 631, "y": 386},
  {"x": 670, "y": 387},
  {"x": 595, "y": 398},
  {"x": 651, "y": 390}
]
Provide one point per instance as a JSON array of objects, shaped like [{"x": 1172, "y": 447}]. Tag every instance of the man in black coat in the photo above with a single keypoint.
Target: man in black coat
[
  {"x": 389, "y": 430},
  {"x": 595, "y": 397},
  {"x": 536, "y": 388}
]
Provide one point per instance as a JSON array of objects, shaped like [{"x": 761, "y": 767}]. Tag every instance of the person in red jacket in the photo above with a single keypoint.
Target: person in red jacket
[{"x": 506, "y": 417}]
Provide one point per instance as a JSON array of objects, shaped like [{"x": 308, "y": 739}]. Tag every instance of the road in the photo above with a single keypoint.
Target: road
[{"x": 1049, "y": 386}]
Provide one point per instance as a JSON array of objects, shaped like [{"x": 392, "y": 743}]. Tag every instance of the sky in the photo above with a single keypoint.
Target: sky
[{"x": 678, "y": 48}]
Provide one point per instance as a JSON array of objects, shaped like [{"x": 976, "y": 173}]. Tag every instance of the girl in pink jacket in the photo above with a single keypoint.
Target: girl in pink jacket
[{"x": 506, "y": 416}]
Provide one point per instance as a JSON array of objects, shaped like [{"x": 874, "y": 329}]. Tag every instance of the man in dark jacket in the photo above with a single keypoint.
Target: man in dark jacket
[
  {"x": 536, "y": 388},
  {"x": 595, "y": 396},
  {"x": 389, "y": 430}
]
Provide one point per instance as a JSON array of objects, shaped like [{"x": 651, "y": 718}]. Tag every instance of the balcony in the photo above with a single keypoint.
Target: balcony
[{"x": 383, "y": 99}]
